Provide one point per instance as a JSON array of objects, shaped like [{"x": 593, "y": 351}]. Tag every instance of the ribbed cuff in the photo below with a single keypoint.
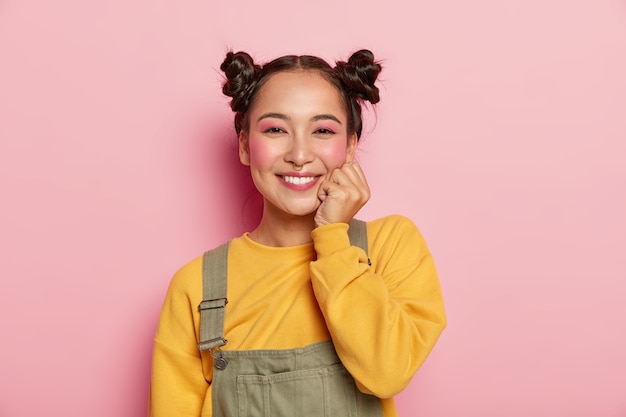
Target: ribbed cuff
[{"x": 330, "y": 238}]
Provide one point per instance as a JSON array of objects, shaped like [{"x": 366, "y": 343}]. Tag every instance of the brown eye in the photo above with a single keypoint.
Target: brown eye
[{"x": 273, "y": 130}]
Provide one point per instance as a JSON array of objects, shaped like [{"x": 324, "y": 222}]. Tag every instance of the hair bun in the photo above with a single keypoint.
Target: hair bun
[
  {"x": 359, "y": 75},
  {"x": 241, "y": 76}
]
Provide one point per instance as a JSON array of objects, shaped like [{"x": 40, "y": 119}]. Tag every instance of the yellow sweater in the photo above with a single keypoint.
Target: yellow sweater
[{"x": 383, "y": 320}]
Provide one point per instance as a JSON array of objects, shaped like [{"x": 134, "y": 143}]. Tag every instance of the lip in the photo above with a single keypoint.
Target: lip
[{"x": 299, "y": 187}]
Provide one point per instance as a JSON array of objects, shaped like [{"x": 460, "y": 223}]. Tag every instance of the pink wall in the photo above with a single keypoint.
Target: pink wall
[{"x": 501, "y": 133}]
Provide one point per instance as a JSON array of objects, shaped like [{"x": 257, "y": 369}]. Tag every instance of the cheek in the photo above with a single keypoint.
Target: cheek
[
  {"x": 260, "y": 153},
  {"x": 335, "y": 153}
]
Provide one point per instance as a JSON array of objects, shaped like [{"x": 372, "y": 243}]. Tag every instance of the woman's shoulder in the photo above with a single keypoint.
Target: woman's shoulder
[
  {"x": 395, "y": 232},
  {"x": 188, "y": 278},
  {"x": 194, "y": 266},
  {"x": 393, "y": 223}
]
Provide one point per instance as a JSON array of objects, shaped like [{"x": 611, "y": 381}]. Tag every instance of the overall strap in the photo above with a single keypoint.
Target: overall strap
[
  {"x": 214, "y": 284},
  {"x": 357, "y": 232}
]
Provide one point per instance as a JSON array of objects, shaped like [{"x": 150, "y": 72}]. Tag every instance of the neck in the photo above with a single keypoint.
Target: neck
[{"x": 285, "y": 230}]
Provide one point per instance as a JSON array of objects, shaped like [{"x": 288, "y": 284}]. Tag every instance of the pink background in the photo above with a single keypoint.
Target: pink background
[{"x": 501, "y": 133}]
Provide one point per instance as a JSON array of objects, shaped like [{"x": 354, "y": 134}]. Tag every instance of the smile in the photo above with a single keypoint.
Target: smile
[{"x": 298, "y": 180}]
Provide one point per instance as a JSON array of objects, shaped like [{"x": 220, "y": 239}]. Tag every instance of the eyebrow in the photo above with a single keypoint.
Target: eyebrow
[
  {"x": 325, "y": 117},
  {"x": 273, "y": 116},
  {"x": 285, "y": 117}
]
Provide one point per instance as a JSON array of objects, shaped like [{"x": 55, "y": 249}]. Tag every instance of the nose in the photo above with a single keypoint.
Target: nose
[{"x": 300, "y": 151}]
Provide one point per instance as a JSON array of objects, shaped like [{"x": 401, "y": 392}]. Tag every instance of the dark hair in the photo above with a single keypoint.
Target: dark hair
[{"x": 354, "y": 80}]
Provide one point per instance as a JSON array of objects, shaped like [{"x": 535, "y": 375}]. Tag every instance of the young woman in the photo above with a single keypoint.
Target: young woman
[{"x": 315, "y": 324}]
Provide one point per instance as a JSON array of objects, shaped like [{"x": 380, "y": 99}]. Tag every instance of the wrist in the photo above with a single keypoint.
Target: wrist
[{"x": 329, "y": 238}]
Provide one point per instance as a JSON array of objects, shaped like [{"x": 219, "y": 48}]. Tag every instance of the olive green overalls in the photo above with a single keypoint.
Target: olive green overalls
[{"x": 308, "y": 382}]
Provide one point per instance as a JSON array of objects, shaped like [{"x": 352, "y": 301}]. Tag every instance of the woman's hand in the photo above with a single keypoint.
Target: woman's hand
[{"x": 343, "y": 192}]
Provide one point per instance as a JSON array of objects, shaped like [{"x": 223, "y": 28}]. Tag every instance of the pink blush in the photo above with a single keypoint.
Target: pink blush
[
  {"x": 333, "y": 153},
  {"x": 260, "y": 152}
]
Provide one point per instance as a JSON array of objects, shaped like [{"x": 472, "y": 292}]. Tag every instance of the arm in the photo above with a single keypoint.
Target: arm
[
  {"x": 178, "y": 385},
  {"x": 384, "y": 319}
]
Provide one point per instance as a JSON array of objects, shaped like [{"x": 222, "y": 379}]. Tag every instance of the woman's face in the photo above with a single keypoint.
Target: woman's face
[{"x": 297, "y": 135}]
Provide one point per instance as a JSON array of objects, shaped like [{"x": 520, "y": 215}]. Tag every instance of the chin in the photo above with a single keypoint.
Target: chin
[{"x": 302, "y": 209}]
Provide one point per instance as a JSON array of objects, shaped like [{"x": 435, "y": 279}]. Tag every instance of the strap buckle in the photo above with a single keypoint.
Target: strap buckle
[
  {"x": 212, "y": 343},
  {"x": 213, "y": 304}
]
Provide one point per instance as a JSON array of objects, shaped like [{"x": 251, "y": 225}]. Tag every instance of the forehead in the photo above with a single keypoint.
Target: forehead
[{"x": 302, "y": 91}]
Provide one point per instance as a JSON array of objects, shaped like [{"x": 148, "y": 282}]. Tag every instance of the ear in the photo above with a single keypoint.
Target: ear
[
  {"x": 351, "y": 151},
  {"x": 244, "y": 149}
]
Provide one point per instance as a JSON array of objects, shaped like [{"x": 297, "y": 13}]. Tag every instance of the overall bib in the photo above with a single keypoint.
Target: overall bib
[{"x": 302, "y": 382}]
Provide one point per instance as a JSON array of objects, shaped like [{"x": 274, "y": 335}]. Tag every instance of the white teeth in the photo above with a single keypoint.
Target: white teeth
[{"x": 298, "y": 180}]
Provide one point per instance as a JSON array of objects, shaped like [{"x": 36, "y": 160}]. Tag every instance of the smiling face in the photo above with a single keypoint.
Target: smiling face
[{"x": 297, "y": 134}]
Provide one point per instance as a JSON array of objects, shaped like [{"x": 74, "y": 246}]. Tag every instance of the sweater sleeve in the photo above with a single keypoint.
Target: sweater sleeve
[
  {"x": 178, "y": 384},
  {"x": 384, "y": 319}
]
